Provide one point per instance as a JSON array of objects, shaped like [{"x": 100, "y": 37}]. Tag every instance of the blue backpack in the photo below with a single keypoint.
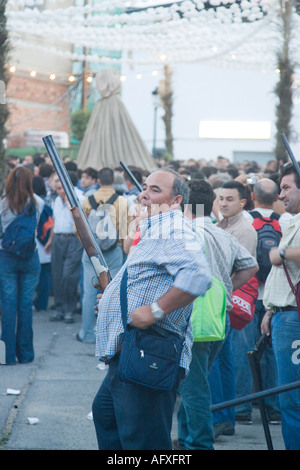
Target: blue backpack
[
  {"x": 19, "y": 237},
  {"x": 268, "y": 236}
]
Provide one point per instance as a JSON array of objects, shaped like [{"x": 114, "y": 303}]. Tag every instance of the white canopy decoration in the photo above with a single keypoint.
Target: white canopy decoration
[{"x": 243, "y": 34}]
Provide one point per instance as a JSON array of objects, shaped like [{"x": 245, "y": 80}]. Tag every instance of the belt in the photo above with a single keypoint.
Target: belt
[
  {"x": 66, "y": 234},
  {"x": 285, "y": 309}
]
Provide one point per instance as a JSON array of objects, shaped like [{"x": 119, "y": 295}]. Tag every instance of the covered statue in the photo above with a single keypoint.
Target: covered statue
[{"x": 111, "y": 135}]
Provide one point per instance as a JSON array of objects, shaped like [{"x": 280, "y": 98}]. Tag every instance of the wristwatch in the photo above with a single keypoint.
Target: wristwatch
[
  {"x": 282, "y": 253},
  {"x": 157, "y": 312}
]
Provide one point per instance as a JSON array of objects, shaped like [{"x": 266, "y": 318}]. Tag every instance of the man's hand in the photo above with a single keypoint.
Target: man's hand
[
  {"x": 142, "y": 317},
  {"x": 99, "y": 297},
  {"x": 291, "y": 253},
  {"x": 265, "y": 326},
  {"x": 275, "y": 257}
]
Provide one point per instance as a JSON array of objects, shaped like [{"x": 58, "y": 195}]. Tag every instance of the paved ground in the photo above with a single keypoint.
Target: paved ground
[{"x": 58, "y": 389}]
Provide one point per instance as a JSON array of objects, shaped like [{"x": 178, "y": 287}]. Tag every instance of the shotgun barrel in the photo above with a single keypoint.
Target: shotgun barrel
[
  {"x": 84, "y": 230},
  {"x": 291, "y": 155},
  {"x": 133, "y": 178}
]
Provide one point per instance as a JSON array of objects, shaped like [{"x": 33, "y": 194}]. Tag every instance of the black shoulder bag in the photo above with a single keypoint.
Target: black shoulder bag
[{"x": 149, "y": 357}]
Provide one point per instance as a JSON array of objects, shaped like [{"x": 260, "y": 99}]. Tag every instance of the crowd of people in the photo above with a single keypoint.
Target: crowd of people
[{"x": 219, "y": 199}]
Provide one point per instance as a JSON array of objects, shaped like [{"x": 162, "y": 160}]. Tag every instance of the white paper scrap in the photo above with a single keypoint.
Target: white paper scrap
[
  {"x": 12, "y": 391},
  {"x": 33, "y": 420}
]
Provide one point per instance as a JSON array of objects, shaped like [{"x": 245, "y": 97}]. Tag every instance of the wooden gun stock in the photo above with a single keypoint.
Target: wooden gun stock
[{"x": 87, "y": 241}]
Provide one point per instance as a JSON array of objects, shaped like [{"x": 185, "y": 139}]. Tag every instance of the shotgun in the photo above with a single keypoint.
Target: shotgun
[
  {"x": 291, "y": 155},
  {"x": 84, "y": 230},
  {"x": 133, "y": 178}
]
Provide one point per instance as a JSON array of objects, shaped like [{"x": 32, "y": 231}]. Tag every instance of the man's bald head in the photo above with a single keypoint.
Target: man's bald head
[{"x": 265, "y": 192}]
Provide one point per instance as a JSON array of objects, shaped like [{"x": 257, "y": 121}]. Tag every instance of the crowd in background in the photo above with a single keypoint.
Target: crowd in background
[{"x": 63, "y": 257}]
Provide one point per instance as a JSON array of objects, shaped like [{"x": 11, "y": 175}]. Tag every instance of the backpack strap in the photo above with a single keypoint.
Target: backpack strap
[
  {"x": 275, "y": 216},
  {"x": 112, "y": 199},
  {"x": 257, "y": 215},
  {"x": 94, "y": 204}
]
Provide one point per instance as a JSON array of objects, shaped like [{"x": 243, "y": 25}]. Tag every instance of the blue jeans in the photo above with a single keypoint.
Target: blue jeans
[
  {"x": 130, "y": 417},
  {"x": 43, "y": 288},
  {"x": 267, "y": 363},
  {"x": 286, "y": 344},
  {"x": 195, "y": 421},
  {"x": 18, "y": 279},
  {"x": 242, "y": 342},
  {"x": 89, "y": 300},
  {"x": 222, "y": 382},
  {"x": 114, "y": 260}
]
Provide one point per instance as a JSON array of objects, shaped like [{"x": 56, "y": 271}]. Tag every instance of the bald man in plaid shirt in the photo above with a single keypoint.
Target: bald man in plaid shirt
[{"x": 166, "y": 271}]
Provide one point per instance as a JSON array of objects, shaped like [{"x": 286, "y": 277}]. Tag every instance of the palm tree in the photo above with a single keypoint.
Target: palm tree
[
  {"x": 166, "y": 96},
  {"x": 283, "y": 89}
]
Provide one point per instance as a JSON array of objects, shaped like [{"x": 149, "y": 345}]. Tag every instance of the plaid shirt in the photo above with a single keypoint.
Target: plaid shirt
[{"x": 170, "y": 253}]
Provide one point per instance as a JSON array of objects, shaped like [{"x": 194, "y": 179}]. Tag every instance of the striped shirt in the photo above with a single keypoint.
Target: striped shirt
[{"x": 169, "y": 254}]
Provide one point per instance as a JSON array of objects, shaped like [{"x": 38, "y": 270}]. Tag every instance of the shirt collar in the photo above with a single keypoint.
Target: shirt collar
[{"x": 295, "y": 220}]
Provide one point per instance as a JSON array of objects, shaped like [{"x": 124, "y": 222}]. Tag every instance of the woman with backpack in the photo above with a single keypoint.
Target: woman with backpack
[{"x": 19, "y": 264}]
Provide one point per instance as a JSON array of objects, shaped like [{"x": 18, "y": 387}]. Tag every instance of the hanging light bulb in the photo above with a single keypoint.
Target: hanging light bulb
[
  {"x": 12, "y": 69},
  {"x": 33, "y": 73},
  {"x": 52, "y": 76},
  {"x": 71, "y": 78}
]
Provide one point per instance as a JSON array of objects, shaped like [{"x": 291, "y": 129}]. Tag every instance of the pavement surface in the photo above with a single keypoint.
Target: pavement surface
[{"x": 48, "y": 406}]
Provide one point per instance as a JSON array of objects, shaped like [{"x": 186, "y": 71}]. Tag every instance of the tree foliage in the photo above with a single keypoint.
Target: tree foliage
[
  {"x": 4, "y": 112},
  {"x": 79, "y": 122}
]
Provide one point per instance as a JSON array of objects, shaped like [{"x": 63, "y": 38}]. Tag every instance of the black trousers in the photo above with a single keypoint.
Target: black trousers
[{"x": 130, "y": 417}]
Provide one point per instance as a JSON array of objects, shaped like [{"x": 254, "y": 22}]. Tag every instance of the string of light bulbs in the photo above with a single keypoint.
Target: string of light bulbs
[{"x": 72, "y": 78}]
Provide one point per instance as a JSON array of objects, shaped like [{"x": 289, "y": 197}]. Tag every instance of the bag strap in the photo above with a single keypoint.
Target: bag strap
[
  {"x": 294, "y": 288},
  {"x": 123, "y": 298},
  {"x": 94, "y": 204},
  {"x": 289, "y": 278},
  {"x": 112, "y": 199},
  {"x": 124, "y": 308},
  {"x": 257, "y": 215}
]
